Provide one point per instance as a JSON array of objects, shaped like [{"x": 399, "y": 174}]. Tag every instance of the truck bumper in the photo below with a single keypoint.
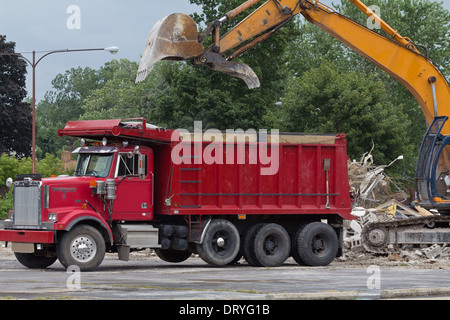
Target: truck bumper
[{"x": 27, "y": 236}]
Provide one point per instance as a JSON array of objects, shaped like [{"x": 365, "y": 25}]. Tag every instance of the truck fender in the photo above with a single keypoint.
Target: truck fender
[
  {"x": 203, "y": 232},
  {"x": 76, "y": 217}
]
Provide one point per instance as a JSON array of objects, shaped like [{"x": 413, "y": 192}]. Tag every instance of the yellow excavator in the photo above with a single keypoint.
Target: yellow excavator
[{"x": 176, "y": 37}]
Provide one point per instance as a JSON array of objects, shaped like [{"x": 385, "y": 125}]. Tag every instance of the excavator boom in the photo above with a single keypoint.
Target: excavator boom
[{"x": 176, "y": 38}]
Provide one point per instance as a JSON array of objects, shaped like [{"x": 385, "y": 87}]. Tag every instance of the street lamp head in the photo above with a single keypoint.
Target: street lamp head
[{"x": 112, "y": 49}]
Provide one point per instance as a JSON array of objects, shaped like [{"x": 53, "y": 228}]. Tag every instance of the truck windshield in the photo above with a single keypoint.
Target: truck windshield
[{"x": 96, "y": 165}]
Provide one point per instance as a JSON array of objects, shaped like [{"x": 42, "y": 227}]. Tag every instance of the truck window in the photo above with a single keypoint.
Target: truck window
[
  {"x": 96, "y": 165},
  {"x": 128, "y": 165}
]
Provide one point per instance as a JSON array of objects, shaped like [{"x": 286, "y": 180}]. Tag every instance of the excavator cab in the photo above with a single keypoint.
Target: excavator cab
[{"x": 432, "y": 174}]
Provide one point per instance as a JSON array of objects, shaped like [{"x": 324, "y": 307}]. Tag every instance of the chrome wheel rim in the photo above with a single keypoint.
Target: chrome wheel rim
[{"x": 83, "y": 249}]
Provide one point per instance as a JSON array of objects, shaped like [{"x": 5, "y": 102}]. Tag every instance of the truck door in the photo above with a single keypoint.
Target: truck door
[
  {"x": 432, "y": 168},
  {"x": 134, "y": 186}
]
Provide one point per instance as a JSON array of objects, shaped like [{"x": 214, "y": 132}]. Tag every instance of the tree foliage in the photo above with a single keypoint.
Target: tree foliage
[
  {"x": 323, "y": 85},
  {"x": 328, "y": 101},
  {"x": 427, "y": 24},
  {"x": 10, "y": 166},
  {"x": 15, "y": 114},
  {"x": 65, "y": 103}
]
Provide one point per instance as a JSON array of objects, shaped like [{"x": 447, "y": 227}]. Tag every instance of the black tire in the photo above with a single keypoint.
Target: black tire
[
  {"x": 294, "y": 246},
  {"x": 82, "y": 246},
  {"x": 316, "y": 244},
  {"x": 248, "y": 249},
  {"x": 34, "y": 261},
  {"x": 236, "y": 259},
  {"x": 271, "y": 244},
  {"x": 174, "y": 256},
  {"x": 220, "y": 244}
]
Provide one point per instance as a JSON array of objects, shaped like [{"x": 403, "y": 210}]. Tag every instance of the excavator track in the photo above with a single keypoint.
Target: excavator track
[{"x": 391, "y": 236}]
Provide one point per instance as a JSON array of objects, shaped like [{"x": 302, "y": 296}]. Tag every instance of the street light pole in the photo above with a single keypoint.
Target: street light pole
[
  {"x": 33, "y": 64},
  {"x": 33, "y": 121}
]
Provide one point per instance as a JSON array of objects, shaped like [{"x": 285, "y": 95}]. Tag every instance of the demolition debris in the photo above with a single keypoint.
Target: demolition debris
[{"x": 381, "y": 205}]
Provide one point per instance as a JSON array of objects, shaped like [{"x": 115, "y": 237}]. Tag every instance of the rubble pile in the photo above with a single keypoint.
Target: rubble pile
[
  {"x": 370, "y": 184},
  {"x": 391, "y": 210},
  {"x": 374, "y": 201}
]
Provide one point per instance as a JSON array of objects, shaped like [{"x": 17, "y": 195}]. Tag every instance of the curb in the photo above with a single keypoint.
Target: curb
[
  {"x": 337, "y": 295},
  {"x": 414, "y": 292},
  {"x": 355, "y": 295}
]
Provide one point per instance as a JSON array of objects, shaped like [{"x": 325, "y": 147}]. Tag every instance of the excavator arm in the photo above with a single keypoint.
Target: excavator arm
[{"x": 176, "y": 38}]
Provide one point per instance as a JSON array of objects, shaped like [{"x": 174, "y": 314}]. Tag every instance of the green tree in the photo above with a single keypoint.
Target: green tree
[
  {"x": 426, "y": 23},
  {"x": 61, "y": 104},
  {"x": 325, "y": 100},
  {"x": 176, "y": 94},
  {"x": 118, "y": 96},
  {"x": 6, "y": 204},
  {"x": 11, "y": 166},
  {"x": 65, "y": 103},
  {"x": 15, "y": 114}
]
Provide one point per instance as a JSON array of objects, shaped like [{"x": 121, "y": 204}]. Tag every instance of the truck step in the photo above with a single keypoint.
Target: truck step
[{"x": 136, "y": 236}]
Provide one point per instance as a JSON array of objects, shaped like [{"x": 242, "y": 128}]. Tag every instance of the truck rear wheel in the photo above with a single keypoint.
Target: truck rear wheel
[
  {"x": 271, "y": 244},
  {"x": 82, "y": 246},
  {"x": 220, "y": 244},
  {"x": 34, "y": 261},
  {"x": 315, "y": 244},
  {"x": 247, "y": 245}
]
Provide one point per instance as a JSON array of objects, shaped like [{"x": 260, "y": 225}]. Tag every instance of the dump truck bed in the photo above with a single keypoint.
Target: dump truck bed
[
  {"x": 204, "y": 175},
  {"x": 297, "y": 184}
]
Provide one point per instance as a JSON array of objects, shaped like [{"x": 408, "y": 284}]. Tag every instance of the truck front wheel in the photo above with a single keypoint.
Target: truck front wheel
[
  {"x": 82, "y": 246},
  {"x": 220, "y": 244},
  {"x": 34, "y": 261}
]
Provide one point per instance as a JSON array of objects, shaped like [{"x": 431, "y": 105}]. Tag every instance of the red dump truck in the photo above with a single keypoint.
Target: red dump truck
[{"x": 223, "y": 196}]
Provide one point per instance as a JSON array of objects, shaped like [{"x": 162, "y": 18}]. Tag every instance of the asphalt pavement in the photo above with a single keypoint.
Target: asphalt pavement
[{"x": 147, "y": 277}]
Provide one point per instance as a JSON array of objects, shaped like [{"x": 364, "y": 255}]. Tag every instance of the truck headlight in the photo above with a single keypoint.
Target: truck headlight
[{"x": 53, "y": 217}]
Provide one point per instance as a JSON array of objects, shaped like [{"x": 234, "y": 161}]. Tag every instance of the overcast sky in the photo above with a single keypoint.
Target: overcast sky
[{"x": 45, "y": 25}]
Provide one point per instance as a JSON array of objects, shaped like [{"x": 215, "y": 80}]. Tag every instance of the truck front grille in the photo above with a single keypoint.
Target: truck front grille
[{"x": 27, "y": 205}]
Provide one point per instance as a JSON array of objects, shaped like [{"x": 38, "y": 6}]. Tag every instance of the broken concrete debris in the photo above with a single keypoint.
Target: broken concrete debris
[
  {"x": 374, "y": 202},
  {"x": 370, "y": 184},
  {"x": 390, "y": 211}
]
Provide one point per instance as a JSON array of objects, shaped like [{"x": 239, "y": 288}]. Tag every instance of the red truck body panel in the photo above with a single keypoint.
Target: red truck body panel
[
  {"x": 27, "y": 236},
  {"x": 174, "y": 190},
  {"x": 297, "y": 187},
  {"x": 196, "y": 187}
]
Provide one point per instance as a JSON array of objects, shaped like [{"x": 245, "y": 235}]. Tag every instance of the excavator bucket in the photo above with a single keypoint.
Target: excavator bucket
[{"x": 174, "y": 37}]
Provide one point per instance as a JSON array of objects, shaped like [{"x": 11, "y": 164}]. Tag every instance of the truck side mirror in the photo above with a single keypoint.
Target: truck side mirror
[{"x": 141, "y": 166}]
